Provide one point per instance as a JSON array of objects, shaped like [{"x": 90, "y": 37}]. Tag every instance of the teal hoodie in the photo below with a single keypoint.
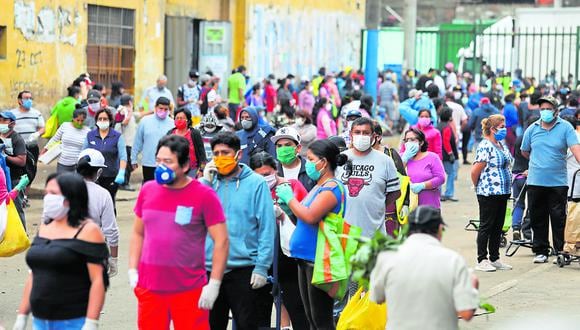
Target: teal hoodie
[{"x": 250, "y": 220}]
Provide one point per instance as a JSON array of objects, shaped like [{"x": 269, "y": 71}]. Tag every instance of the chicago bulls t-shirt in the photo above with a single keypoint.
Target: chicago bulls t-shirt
[{"x": 367, "y": 181}]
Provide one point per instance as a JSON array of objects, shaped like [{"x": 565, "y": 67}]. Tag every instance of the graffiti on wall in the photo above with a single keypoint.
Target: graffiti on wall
[
  {"x": 284, "y": 40},
  {"x": 48, "y": 25}
]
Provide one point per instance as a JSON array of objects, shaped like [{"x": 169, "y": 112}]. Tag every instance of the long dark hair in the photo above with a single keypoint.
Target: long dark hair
[
  {"x": 328, "y": 150},
  {"x": 262, "y": 159},
  {"x": 317, "y": 106},
  {"x": 421, "y": 137},
  {"x": 74, "y": 189}
]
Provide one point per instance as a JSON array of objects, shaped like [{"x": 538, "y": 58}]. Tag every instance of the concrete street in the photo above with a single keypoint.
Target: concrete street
[{"x": 533, "y": 296}]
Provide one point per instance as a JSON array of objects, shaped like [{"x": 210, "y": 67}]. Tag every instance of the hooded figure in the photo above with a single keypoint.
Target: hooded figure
[
  {"x": 410, "y": 109},
  {"x": 255, "y": 137}
]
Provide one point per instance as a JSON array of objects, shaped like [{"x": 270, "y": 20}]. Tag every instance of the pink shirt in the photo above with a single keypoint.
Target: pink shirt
[
  {"x": 320, "y": 132},
  {"x": 176, "y": 222},
  {"x": 433, "y": 137},
  {"x": 429, "y": 168}
]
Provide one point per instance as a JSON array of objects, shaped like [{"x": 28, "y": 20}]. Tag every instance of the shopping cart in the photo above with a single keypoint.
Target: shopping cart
[
  {"x": 473, "y": 224},
  {"x": 571, "y": 251}
]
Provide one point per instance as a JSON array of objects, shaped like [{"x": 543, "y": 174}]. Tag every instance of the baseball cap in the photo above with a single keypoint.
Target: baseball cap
[
  {"x": 286, "y": 133},
  {"x": 550, "y": 99},
  {"x": 484, "y": 100},
  {"x": 94, "y": 94},
  {"x": 8, "y": 115},
  {"x": 205, "y": 78},
  {"x": 354, "y": 113},
  {"x": 425, "y": 215},
  {"x": 193, "y": 74},
  {"x": 96, "y": 158}
]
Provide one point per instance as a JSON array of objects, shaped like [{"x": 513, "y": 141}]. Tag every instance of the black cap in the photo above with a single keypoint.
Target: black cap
[
  {"x": 425, "y": 216},
  {"x": 193, "y": 74},
  {"x": 338, "y": 141},
  {"x": 93, "y": 94}
]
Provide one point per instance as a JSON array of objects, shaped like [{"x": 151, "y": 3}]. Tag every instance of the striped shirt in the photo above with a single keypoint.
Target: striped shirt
[
  {"x": 27, "y": 122},
  {"x": 72, "y": 142}
]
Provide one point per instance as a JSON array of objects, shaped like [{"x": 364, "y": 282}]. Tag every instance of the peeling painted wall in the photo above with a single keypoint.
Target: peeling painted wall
[{"x": 48, "y": 25}]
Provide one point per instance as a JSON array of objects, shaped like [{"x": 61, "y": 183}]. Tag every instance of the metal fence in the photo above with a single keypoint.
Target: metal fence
[{"x": 535, "y": 50}]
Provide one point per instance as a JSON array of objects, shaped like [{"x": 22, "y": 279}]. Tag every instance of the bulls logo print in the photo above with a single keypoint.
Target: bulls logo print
[{"x": 356, "y": 177}]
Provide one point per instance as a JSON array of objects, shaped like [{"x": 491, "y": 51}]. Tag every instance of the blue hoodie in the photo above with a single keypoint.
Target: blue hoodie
[
  {"x": 410, "y": 108},
  {"x": 256, "y": 137},
  {"x": 479, "y": 114},
  {"x": 250, "y": 220}
]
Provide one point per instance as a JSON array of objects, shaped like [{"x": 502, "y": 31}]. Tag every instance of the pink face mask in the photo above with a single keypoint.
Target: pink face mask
[
  {"x": 161, "y": 114},
  {"x": 424, "y": 122}
]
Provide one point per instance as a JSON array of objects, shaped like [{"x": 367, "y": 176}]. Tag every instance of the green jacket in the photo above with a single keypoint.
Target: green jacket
[{"x": 64, "y": 109}]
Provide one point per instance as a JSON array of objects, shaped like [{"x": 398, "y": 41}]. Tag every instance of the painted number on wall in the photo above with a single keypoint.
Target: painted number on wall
[{"x": 22, "y": 59}]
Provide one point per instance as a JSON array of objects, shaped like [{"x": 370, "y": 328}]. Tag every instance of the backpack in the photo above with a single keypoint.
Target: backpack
[
  {"x": 203, "y": 97},
  {"x": 30, "y": 167}
]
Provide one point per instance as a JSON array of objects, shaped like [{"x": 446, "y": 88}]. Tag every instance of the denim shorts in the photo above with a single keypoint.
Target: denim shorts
[{"x": 70, "y": 324}]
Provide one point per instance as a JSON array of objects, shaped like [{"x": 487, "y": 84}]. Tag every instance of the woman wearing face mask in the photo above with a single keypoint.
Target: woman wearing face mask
[
  {"x": 66, "y": 284},
  {"x": 255, "y": 99},
  {"x": 307, "y": 131},
  {"x": 491, "y": 177},
  {"x": 424, "y": 168},
  {"x": 325, "y": 125},
  {"x": 306, "y": 98},
  {"x": 327, "y": 196},
  {"x": 432, "y": 134},
  {"x": 72, "y": 135},
  {"x": 197, "y": 155},
  {"x": 112, "y": 145},
  {"x": 292, "y": 308}
]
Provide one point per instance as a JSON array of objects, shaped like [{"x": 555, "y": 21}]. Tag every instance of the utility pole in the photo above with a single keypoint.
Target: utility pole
[
  {"x": 410, "y": 30},
  {"x": 373, "y": 17}
]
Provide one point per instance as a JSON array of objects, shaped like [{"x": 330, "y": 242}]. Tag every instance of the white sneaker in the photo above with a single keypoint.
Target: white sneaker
[
  {"x": 485, "y": 266},
  {"x": 501, "y": 266},
  {"x": 540, "y": 259}
]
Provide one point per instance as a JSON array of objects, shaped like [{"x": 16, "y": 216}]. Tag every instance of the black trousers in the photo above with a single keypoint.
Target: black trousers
[
  {"x": 247, "y": 305},
  {"x": 109, "y": 184},
  {"x": 491, "y": 218},
  {"x": 547, "y": 204},
  {"x": 465, "y": 142},
  {"x": 129, "y": 168},
  {"x": 148, "y": 173},
  {"x": 288, "y": 277},
  {"x": 317, "y": 303}
]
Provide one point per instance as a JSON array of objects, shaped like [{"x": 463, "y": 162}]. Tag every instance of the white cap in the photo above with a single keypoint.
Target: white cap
[
  {"x": 96, "y": 158},
  {"x": 286, "y": 133}
]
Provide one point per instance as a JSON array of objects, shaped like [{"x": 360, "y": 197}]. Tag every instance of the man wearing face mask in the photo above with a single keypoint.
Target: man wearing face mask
[
  {"x": 150, "y": 130},
  {"x": 253, "y": 136},
  {"x": 94, "y": 105},
  {"x": 188, "y": 97},
  {"x": 291, "y": 165},
  {"x": 208, "y": 128},
  {"x": 29, "y": 122},
  {"x": 166, "y": 258},
  {"x": 545, "y": 143},
  {"x": 153, "y": 93},
  {"x": 351, "y": 116},
  {"x": 247, "y": 201},
  {"x": 14, "y": 148},
  {"x": 372, "y": 181}
]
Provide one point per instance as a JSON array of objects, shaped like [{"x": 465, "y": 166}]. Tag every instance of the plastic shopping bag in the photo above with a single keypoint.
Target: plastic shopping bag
[
  {"x": 3, "y": 220},
  {"x": 286, "y": 231},
  {"x": 15, "y": 238},
  {"x": 362, "y": 313},
  {"x": 51, "y": 126}
]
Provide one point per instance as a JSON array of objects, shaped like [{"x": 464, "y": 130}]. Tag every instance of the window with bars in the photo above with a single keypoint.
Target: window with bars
[{"x": 111, "y": 45}]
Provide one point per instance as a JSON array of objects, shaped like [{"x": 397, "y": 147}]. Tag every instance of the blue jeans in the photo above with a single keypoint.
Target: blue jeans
[
  {"x": 451, "y": 171},
  {"x": 70, "y": 324}
]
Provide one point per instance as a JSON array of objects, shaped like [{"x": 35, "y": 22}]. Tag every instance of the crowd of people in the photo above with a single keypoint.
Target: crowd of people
[{"x": 232, "y": 171}]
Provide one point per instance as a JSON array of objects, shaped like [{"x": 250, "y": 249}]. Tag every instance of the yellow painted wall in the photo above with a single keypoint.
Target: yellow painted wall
[{"x": 46, "y": 63}]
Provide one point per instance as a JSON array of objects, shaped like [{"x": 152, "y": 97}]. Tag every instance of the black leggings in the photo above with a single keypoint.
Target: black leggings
[
  {"x": 465, "y": 143},
  {"x": 491, "y": 218},
  {"x": 318, "y": 304},
  {"x": 109, "y": 184}
]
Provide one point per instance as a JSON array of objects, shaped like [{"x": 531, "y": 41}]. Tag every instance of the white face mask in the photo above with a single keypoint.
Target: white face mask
[
  {"x": 209, "y": 129},
  {"x": 53, "y": 208},
  {"x": 300, "y": 121},
  {"x": 271, "y": 180},
  {"x": 95, "y": 106},
  {"x": 247, "y": 124},
  {"x": 361, "y": 142},
  {"x": 103, "y": 125}
]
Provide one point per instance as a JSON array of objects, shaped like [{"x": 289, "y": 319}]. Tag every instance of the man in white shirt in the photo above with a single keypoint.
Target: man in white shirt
[
  {"x": 427, "y": 286},
  {"x": 29, "y": 122},
  {"x": 459, "y": 115},
  {"x": 152, "y": 93}
]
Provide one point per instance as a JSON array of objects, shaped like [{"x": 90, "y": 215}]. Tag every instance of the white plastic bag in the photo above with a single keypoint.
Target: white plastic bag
[
  {"x": 286, "y": 231},
  {"x": 3, "y": 219}
]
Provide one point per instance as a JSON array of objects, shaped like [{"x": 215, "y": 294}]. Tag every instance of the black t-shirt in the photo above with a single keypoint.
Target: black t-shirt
[
  {"x": 521, "y": 163},
  {"x": 14, "y": 146},
  {"x": 61, "y": 282}
]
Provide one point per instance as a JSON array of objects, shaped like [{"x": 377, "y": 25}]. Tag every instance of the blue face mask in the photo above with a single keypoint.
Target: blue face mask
[
  {"x": 27, "y": 104},
  {"x": 311, "y": 170},
  {"x": 164, "y": 175},
  {"x": 500, "y": 134},
  {"x": 547, "y": 116}
]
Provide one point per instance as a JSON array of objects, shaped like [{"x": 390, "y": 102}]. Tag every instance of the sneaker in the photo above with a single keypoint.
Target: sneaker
[
  {"x": 485, "y": 266},
  {"x": 444, "y": 198},
  {"x": 540, "y": 259},
  {"x": 453, "y": 199},
  {"x": 517, "y": 235},
  {"x": 465, "y": 162},
  {"x": 126, "y": 187},
  {"x": 501, "y": 266}
]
